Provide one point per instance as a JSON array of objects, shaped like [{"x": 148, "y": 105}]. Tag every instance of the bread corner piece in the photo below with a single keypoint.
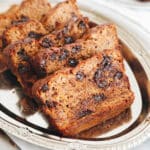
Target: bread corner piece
[{"x": 89, "y": 94}]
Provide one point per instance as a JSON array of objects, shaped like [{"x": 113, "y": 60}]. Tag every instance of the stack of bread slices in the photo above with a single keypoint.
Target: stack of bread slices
[{"x": 71, "y": 66}]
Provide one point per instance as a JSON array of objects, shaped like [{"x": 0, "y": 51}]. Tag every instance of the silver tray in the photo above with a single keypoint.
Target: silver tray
[{"x": 34, "y": 128}]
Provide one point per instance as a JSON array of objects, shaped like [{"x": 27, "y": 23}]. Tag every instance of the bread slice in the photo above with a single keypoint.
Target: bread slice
[
  {"x": 72, "y": 31},
  {"x": 31, "y": 28},
  {"x": 18, "y": 57},
  {"x": 5, "y": 20},
  {"x": 33, "y": 9},
  {"x": 30, "y": 47},
  {"x": 58, "y": 16},
  {"x": 98, "y": 38},
  {"x": 80, "y": 98}
]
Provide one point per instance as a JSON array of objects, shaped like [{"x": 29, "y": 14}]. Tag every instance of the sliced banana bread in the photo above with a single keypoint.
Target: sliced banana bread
[
  {"x": 76, "y": 99},
  {"x": 72, "y": 31},
  {"x": 31, "y": 28},
  {"x": 58, "y": 16},
  {"x": 18, "y": 55},
  {"x": 33, "y": 9},
  {"x": 98, "y": 38}
]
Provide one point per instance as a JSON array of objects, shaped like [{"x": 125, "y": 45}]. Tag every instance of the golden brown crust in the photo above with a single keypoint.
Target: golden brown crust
[
  {"x": 31, "y": 28},
  {"x": 72, "y": 31},
  {"x": 80, "y": 98},
  {"x": 34, "y": 9},
  {"x": 98, "y": 38},
  {"x": 58, "y": 16},
  {"x": 18, "y": 55}
]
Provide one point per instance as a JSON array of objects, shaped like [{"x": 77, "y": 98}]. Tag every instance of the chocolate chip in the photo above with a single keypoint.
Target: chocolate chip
[
  {"x": 106, "y": 63},
  {"x": 4, "y": 42},
  {"x": 84, "y": 113},
  {"x": 41, "y": 72},
  {"x": 80, "y": 75},
  {"x": 21, "y": 20},
  {"x": 82, "y": 25},
  {"x": 50, "y": 104},
  {"x": 46, "y": 43},
  {"x": 73, "y": 62},
  {"x": 35, "y": 35},
  {"x": 101, "y": 83},
  {"x": 99, "y": 97},
  {"x": 23, "y": 55},
  {"x": 22, "y": 68},
  {"x": 64, "y": 54},
  {"x": 53, "y": 56},
  {"x": 76, "y": 48},
  {"x": 69, "y": 40},
  {"x": 44, "y": 88},
  {"x": 98, "y": 74},
  {"x": 118, "y": 75}
]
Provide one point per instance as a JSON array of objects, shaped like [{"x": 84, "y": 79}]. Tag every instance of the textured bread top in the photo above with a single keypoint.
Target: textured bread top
[
  {"x": 80, "y": 98},
  {"x": 18, "y": 52},
  {"x": 31, "y": 28},
  {"x": 97, "y": 39},
  {"x": 72, "y": 31},
  {"x": 33, "y": 9},
  {"x": 18, "y": 56},
  {"x": 60, "y": 15}
]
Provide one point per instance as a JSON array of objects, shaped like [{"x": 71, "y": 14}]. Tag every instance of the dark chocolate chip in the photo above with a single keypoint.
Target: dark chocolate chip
[
  {"x": 46, "y": 43},
  {"x": 80, "y": 75},
  {"x": 53, "y": 56},
  {"x": 73, "y": 62},
  {"x": 99, "y": 97},
  {"x": 82, "y": 25},
  {"x": 76, "y": 48},
  {"x": 50, "y": 104},
  {"x": 101, "y": 83},
  {"x": 106, "y": 63},
  {"x": 35, "y": 35},
  {"x": 84, "y": 113},
  {"x": 64, "y": 54},
  {"x": 44, "y": 88},
  {"x": 4, "y": 42},
  {"x": 41, "y": 72},
  {"x": 23, "y": 55},
  {"x": 21, "y": 20},
  {"x": 98, "y": 74},
  {"x": 69, "y": 40},
  {"x": 22, "y": 68},
  {"x": 118, "y": 75}
]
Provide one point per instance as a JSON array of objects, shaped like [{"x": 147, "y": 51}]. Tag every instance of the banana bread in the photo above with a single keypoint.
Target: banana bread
[
  {"x": 18, "y": 55},
  {"x": 31, "y": 28},
  {"x": 58, "y": 16},
  {"x": 76, "y": 99},
  {"x": 98, "y": 38},
  {"x": 28, "y": 48},
  {"x": 33, "y": 9},
  {"x": 72, "y": 31}
]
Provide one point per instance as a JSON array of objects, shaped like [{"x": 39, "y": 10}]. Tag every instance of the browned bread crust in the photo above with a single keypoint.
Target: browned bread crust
[
  {"x": 15, "y": 55},
  {"x": 58, "y": 16},
  {"x": 80, "y": 98},
  {"x": 97, "y": 39},
  {"x": 18, "y": 55},
  {"x": 31, "y": 28},
  {"x": 33, "y": 9},
  {"x": 72, "y": 31}
]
